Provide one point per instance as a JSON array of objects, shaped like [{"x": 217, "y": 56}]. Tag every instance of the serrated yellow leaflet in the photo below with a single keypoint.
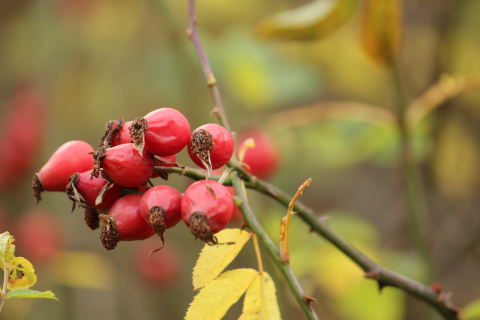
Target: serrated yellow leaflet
[
  {"x": 28, "y": 277},
  {"x": 213, "y": 259},
  {"x": 213, "y": 301},
  {"x": 261, "y": 300}
]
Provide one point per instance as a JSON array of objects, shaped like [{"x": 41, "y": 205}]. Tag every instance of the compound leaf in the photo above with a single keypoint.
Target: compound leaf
[
  {"x": 214, "y": 300},
  {"x": 214, "y": 259}
]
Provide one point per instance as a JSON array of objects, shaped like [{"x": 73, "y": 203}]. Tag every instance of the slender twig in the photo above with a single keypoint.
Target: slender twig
[
  {"x": 253, "y": 223},
  {"x": 284, "y": 267},
  {"x": 207, "y": 70},
  {"x": 413, "y": 188},
  {"x": 438, "y": 300},
  {"x": 4, "y": 289}
]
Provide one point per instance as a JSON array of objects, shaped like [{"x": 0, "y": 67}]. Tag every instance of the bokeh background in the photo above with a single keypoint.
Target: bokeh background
[{"x": 69, "y": 66}]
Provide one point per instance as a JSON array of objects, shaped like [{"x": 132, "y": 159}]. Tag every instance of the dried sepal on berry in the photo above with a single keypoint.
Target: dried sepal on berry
[
  {"x": 106, "y": 142},
  {"x": 37, "y": 187},
  {"x": 199, "y": 227},
  {"x": 109, "y": 236},
  {"x": 137, "y": 132},
  {"x": 156, "y": 219},
  {"x": 91, "y": 218},
  {"x": 73, "y": 194},
  {"x": 202, "y": 143}
]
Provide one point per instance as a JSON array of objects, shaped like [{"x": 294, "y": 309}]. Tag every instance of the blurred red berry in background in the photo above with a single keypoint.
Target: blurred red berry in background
[
  {"x": 263, "y": 160},
  {"x": 38, "y": 236},
  {"x": 21, "y": 135}
]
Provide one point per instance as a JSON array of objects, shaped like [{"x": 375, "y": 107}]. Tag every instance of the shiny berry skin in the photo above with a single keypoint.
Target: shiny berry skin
[
  {"x": 38, "y": 236},
  {"x": 170, "y": 160},
  {"x": 162, "y": 268},
  {"x": 124, "y": 165},
  {"x": 218, "y": 212},
  {"x": 221, "y": 151},
  {"x": 89, "y": 190},
  {"x": 166, "y": 131},
  {"x": 21, "y": 135},
  {"x": 166, "y": 198},
  {"x": 128, "y": 219},
  {"x": 123, "y": 134},
  {"x": 71, "y": 157},
  {"x": 263, "y": 159},
  {"x": 237, "y": 214}
]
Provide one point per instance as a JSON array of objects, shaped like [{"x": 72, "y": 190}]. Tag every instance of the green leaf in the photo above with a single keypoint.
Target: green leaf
[
  {"x": 471, "y": 311},
  {"x": 261, "y": 300},
  {"x": 213, "y": 259},
  {"x": 310, "y": 21},
  {"x": 26, "y": 293},
  {"x": 213, "y": 301},
  {"x": 7, "y": 249}
]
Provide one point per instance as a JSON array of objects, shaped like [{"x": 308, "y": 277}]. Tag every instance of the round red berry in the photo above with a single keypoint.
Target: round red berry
[
  {"x": 124, "y": 222},
  {"x": 164, "y": 131},
  {"x": 71, "y": 157},
  {"x": 210, "y": 144},
  {"x": 161, "y": 204},
  {"x": 124, "y": 165},
  {"x": 204, "y": 213},
  {"x": 263, "y": 159},
  {"x": 89, "y": 189}
]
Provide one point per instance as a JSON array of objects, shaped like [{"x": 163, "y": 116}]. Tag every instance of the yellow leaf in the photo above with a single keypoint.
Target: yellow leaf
[
  {"x": 310, "y": 21},
  {"x": 213, "y": 259},
  {"x": 84, "y": 269},
  {"x": 27, "y": 277},
  {"x": 7, "y": 248},
  {"x": 261, "y": 300},
  {"x": 382, "y": 29},
  {"x": 456, "y": 161},
  {"x": 213, "y": 301}
]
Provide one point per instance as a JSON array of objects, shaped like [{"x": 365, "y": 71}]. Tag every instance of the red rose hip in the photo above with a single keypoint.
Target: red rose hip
[
  {"x": 162, "y": 132},
  {"x": 160, "y": 207},
  {"x": 263, "y": 159},
  {"x": 124, "y": 165},
  {"x": 90, "y": 189},
  {"x": 211, "y": 145},
  {"x": 124, "y": 222},
  {"x": 204, "y": 214},
  {"x": 71, "y": 157}
]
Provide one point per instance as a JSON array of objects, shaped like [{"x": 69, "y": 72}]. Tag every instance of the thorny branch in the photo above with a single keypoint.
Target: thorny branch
[
  {"x": 436, "y": 298},
  {"x": 292, "y": 281},
  {"x": 431, "y": 295}
]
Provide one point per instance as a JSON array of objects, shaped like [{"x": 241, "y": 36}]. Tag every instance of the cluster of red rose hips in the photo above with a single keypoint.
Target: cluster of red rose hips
[{"x": 125, "y": 159}]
